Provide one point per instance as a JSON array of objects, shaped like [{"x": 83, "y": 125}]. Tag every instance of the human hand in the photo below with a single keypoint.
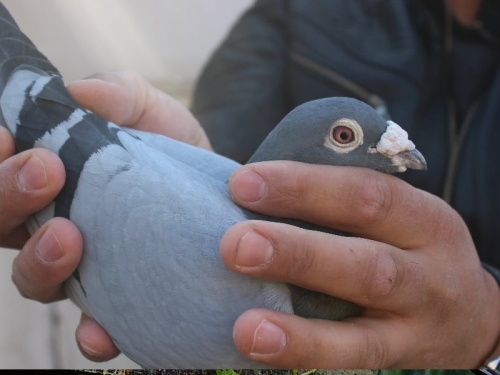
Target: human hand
[
  {"x": 414, "y": 269},
  {"x": 52, "y": 254}
]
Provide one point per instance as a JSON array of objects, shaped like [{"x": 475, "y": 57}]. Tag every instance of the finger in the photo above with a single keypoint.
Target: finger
[
  {"x": 127, "y": 99},
  {"x": 7, "y": 146},
  {"x": 28, "y": 182},
  {"x": 113, "y": 96},
  {"x": 368, "y": 273},
  {"x": 49, "y": 257},
  {"x": 285, "y": 340},
  {"x": 355, "y": 200},
  {"x": 94, "y": 342}
]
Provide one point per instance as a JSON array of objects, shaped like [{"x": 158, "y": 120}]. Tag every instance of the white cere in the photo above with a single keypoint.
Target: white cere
[{"x": 394, "y": 140}]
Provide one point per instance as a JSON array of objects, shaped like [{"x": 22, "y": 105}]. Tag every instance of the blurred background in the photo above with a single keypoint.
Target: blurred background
[{"x": 168, "y": 43}]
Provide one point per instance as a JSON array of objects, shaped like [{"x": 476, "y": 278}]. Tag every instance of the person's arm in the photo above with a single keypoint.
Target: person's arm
[
  {"x": 414, "y": 269},
  {"x": 241, "y": 94}
]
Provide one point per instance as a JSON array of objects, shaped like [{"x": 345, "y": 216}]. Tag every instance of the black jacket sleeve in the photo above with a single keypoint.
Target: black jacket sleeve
[
  {"x": 493, "y": 271},
  {"x": 241, "y": 94}
]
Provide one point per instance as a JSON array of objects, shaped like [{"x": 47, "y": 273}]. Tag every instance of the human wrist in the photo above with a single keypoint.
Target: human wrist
[{"x": 493, "y": 360}]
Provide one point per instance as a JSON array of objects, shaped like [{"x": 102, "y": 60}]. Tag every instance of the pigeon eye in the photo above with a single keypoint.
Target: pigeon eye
[{"x": 343, "y": 134}]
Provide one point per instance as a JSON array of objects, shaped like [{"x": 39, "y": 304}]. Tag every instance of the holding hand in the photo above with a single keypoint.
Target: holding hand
[
  {"x": 414, "y": 268},
  {"x": 427, "y": 300},
  {"x": 31, "y": 180}
]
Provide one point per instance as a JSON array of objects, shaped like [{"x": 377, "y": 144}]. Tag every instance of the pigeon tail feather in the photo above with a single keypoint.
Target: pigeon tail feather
[
  {"x": 38, "y": 110},
  {"x": 17, "y": 51}
]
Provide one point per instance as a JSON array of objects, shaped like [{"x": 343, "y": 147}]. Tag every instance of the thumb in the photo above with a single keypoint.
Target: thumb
[{"x": 127, "y": 99}]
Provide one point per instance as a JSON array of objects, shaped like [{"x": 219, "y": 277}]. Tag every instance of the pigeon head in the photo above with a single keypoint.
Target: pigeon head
[{"x": 341, "y": 132}]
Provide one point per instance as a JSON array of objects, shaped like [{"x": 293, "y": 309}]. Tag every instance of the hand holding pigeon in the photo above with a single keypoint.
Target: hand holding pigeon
[
  {"x": 344, "y": 135},
  {"x": 152, "y": 211},
  {"x": 290, "y": 193},
  {"x": 417, "y": 275}
]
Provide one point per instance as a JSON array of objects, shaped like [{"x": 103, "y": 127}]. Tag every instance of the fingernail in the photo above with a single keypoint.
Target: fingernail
[
  {"x": 48, "y": 248},
  {"x": 268, "y": 339},
  {"x": 88, "y": 350},
  {"x": 248, "y": 186},
  {"x": 32, "y": 175},
  {"x": 253, "y": 250}
]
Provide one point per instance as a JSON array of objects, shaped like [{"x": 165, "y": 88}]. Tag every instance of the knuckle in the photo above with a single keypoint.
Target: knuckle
[
  {"x": 35, "y": 290},
  {"x": 371, "y": 200},
  {"x": 289, "y": 193},
  {"x": 294, "y": 189},
  {"x": 448, "y": 296},
  {"x": 381, "y": 272},
  {"x": 301, "y": 257},
  {"x": 372, "y": 350},
  {"x": 284, "y": 202},
  {"x": 447, "y": 222},
  {"x": 442, "y": 221},
  {"x": 15, "y": 277},
  {"x": 286, "y": 189},
  {"x": 298, "y": 257},
  {"x": 138, "y": 83},
  {"x": 28, "y": 272},
  {"x": 300, "y": 355}
]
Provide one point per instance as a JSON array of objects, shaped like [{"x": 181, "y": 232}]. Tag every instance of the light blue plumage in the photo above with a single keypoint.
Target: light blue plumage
[{"x": 161, "y": 221}]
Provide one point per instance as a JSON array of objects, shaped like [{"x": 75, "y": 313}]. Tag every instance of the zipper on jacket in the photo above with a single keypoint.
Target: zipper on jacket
[
  {"x": 456, "y": 136},
  {"x": 361, "y": 93},
  {"x": 456, "y": 143}
]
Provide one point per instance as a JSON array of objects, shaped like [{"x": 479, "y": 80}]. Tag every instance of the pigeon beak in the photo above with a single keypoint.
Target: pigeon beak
[
  {"x": 395, "y": 145},
  {"x": 409, "y": 159}
]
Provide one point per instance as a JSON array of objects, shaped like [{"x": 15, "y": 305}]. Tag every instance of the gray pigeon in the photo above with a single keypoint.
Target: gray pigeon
[{"x": 152, "y": 211}]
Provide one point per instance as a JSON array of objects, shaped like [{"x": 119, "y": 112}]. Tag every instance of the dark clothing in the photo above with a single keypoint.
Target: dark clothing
[{"x": 395, "y": 55}]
